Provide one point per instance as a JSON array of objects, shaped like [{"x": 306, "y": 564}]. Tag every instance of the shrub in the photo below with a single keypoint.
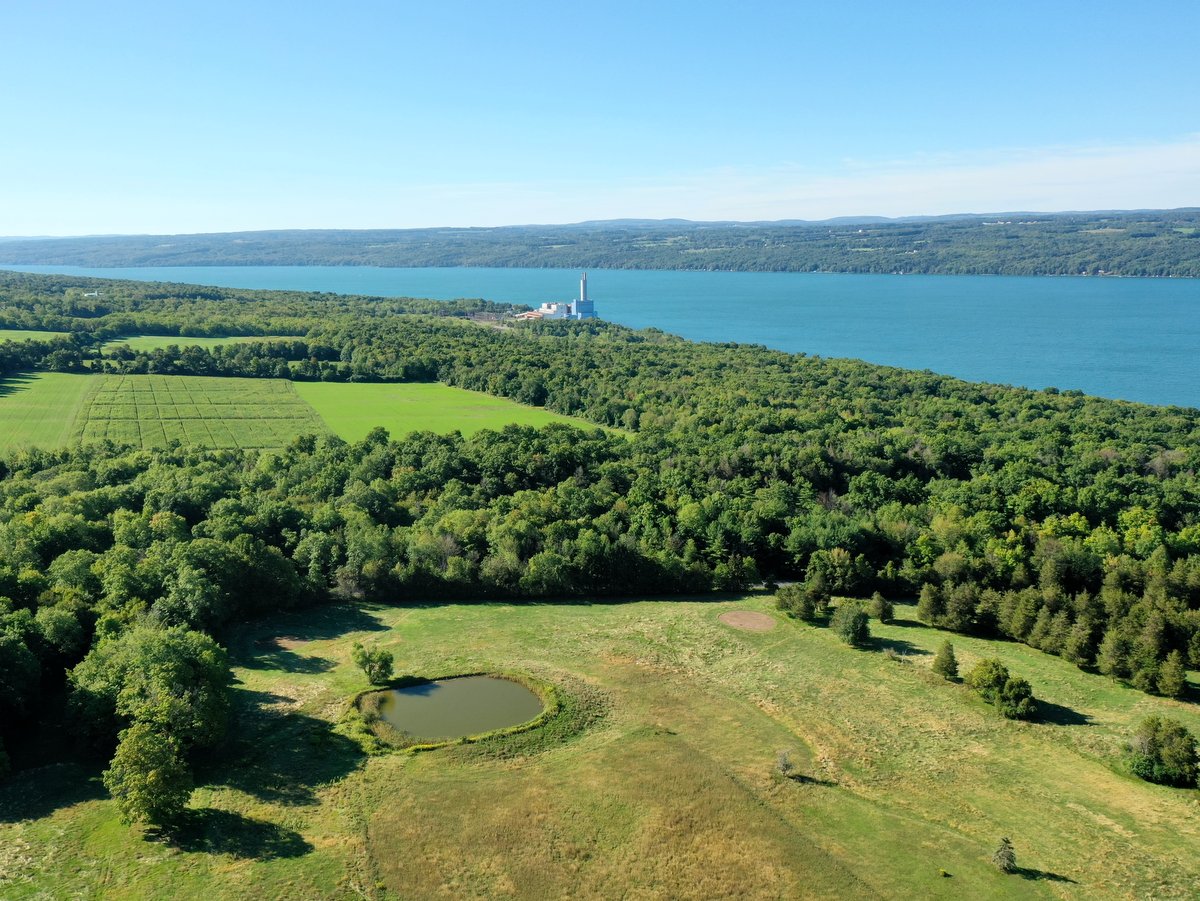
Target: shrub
[
  {"x": 1163, "y": 751},
  {"x": 945, "y": 664},
  {"x": 796, "y": 601},
  {"x": 851, "y": 624},
  {"x": 376, "y": 663},
  {"x": 1010, "y": 695},
  {"x": 881, "y": 608}
]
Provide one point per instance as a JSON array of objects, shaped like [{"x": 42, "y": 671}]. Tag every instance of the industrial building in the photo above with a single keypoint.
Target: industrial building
[{"x": 571, "y": 309}]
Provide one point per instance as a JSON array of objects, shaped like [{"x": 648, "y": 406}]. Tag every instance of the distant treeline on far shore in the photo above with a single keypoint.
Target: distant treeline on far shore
[{"x": 1140, "y": 243}]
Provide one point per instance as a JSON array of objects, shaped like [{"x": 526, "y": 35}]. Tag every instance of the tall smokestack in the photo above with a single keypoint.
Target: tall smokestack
[{"x": 583, "y": 288}]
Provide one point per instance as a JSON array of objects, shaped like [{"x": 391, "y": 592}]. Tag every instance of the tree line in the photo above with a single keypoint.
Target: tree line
[{"x": 1141, "y": 243}]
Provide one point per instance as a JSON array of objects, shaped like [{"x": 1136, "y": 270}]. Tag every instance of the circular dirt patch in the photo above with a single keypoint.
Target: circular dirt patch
[{"x": 748, "y": 620}]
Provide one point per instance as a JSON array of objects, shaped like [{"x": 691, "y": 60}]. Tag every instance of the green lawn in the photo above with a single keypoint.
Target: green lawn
[
  {"x": 671, "y": 795},
  {"x": 155, "y": 342},
  {"x": 8, "y": 334},
  {"x": 353, "y": 410},
  {"x": 40, "y": 409},
  {"x": 151, "y": 410}
]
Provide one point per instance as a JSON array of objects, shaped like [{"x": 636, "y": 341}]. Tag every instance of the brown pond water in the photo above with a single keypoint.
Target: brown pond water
[{"x": 451, "y": 708}]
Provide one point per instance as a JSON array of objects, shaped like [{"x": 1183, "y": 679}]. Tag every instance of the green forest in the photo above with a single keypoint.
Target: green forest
[
  {"x": 1141, "y": 243},
  {"x": 1067, "y": 522}
]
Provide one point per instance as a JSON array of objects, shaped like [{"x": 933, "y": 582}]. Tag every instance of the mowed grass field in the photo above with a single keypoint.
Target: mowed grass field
[
  {"x": 151, "y": 411},
  {"x": 8, "y": 334},
  {"x": 40, "y": 410},
  {"x": 156, "y": 342},
  {"x": 353, "y": 410},
  {"x": 671, "y": 795},
  {"x": 53, "y": 409}
]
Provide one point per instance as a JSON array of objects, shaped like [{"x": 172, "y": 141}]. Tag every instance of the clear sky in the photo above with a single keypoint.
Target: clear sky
[{"x": 170, "y": 117}]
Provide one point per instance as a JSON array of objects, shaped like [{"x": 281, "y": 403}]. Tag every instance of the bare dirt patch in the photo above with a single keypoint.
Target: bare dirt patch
[
  {"x": 748, "y": 620},
  {"x": 281, "y": 642}
]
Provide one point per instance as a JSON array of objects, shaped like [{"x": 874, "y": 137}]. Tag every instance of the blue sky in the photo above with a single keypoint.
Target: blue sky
[{"x": 182, "y": 117}]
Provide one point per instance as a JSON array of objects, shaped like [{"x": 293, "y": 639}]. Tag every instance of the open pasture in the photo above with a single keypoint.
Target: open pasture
[
  {"x": 157, "y": 342},
  {"x": 672, "y": 793},
  {"x": 151, "y": 411},
  {"x": 40, "y": 409},
  {"x": 352, "y": 410},
  {"x": 9, "y": 334}
]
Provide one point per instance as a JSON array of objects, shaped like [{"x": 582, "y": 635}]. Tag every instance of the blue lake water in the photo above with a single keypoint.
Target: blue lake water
[{"x": 1136, "y": 339}]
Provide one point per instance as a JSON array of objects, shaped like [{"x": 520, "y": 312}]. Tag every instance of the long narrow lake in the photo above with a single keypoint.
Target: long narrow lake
[{"x": 1136, "y": 339}]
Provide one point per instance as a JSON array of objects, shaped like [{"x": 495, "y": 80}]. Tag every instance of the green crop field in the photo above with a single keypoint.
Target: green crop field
[
  {"x": 8, "y": 334},
  {"x": 353, "y": 410},
  {"x": 152, "y": 410},
  {"x": 672, "y": 793},
  {"x": 40, "y": 410},
  {"x": 51, "y": 409},
  {"x": 155, "y": 342}
]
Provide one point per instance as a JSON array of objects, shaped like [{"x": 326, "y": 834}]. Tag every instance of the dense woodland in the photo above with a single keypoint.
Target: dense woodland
[
  {"x": 1144, "y": 243},
  {"x": 1068, "y": 522}
]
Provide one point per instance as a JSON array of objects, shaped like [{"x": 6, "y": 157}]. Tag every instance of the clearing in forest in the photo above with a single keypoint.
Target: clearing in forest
[
  {"x": 152, "y": 410},
  {"x": 11, "y": 334},
  {"x": 40, "y": 409},
  {"x": 157, "y": 342},
  {"x": 352, "y": 410}
]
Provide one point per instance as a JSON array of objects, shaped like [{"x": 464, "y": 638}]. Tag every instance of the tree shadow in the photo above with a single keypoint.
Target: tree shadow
[
  {"x": 898, "y": 646},
  {"x": 801, "y": 779},
  {"x": 1028, "y": 873},
  {"x": 281, "y": 756},
  {"x": 33, "y": 794},
  {"x": 215, "y": 831},
  {"x": 269, "y": 653},
  {"x": 1059, "y": 715},
  {"x": 11, "y": 384}
]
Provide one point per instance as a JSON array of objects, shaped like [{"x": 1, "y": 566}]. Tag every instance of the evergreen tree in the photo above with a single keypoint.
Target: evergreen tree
[
  {"x": 1172, "y": 679},
  {"x": 1005, "y": 857},
  {"x": 851, "y": 624},
  {"x": 1080, "y": 646},
  {"x": 930, "y": 606},
  {"x": 881, "y": 608},
  {"x": 1164, "y": 751},
  {"x": 945, "y": 664}
]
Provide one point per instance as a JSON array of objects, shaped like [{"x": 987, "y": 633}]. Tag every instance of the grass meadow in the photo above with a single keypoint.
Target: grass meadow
[
  {"x": 40, "y": 410},
  {"x": 352, "y": 410},
  {"x": 9, "y": 334},
  {"x": 53, "y": 409},
  {"x": 157, "y": 342},
  {"x": 905, "y": 783}
]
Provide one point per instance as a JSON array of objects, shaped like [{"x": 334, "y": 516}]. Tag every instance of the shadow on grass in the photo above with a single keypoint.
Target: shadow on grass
[
  {"x": 281, "y": 757},
  {"x": 898, "y": 646},
  {"x": 268, "y": 653},
  {"x": 33, "y": 794},
  {"x": 11, "y": 384},
  {"x": 1059, "y": 715},
  {"x": 1031, "y": 874},
  {"x": 801, "y": 779},
  {"x": 224, "y": 832}
]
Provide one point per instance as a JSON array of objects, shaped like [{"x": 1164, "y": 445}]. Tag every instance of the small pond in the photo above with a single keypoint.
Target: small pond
[{"x": 451, "y": 708}]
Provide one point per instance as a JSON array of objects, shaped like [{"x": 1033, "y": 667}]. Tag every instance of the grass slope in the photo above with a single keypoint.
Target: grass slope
[
  {"x": 672, "y": 795},
  {"x": 152, "y": 410},
  {"x": 40, "y": 409},
  {"x": 353, "y": 410}
]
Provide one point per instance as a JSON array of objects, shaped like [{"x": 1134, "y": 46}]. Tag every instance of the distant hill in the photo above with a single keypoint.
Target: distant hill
[{"x": 1131, "y": 243}]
